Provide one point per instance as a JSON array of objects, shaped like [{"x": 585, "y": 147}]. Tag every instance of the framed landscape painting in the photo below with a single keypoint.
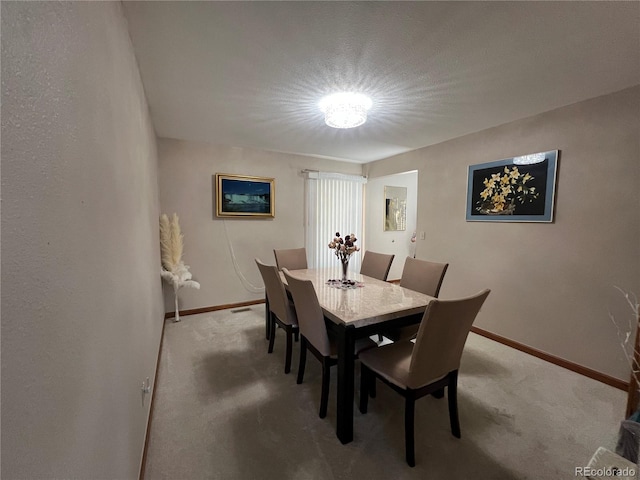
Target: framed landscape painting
[
  {"x": 244, "y": 196},
  {"x": 519, "y": 189}
]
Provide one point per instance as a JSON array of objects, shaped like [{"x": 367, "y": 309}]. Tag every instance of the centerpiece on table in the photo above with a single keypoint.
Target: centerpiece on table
[{"x": 344, "y": 248}]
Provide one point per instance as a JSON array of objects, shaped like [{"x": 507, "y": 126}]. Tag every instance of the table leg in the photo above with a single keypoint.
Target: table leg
[
  {"x": 266, "y": 317},
  {"x": 344, "y": 417}
]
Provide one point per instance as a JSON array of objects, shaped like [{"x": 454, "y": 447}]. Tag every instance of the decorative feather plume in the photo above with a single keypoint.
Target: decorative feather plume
[
  {"x": 171, "y": 242},
  {"x": 165, "y": 242},
  {"x": 174, "y": 270},
  {"x": 176, "y": 241}
]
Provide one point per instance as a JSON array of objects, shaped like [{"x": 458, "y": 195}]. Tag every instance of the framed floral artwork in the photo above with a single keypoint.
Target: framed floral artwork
[
  {"x": 518, "y": 189},
  {"x": 244, "y": 196}
]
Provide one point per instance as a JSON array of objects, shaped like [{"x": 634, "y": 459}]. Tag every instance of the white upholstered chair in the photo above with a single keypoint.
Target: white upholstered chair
[
  {"x": 421, "y": 276},
  {"x": 314, "y": 335},
  {"x": 292, "y": 258},
  {"x": 281, "y": 311},
  {"x": 376, "y": 265},
  {"x": 426, "y": 367}
]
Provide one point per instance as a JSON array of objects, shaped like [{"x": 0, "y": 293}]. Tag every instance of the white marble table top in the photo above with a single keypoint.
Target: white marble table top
[{"x": 375, "y": 302}]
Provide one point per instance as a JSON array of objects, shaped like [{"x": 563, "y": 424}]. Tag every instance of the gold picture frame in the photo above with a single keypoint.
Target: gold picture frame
[{"x": 244, "y": 196}]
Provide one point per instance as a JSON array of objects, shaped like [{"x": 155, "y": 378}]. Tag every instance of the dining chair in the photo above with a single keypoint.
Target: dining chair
[
  {"x": 281, "y": 311},
  {"x": 292, "y": 258},
  {"x": 421, "y": 276},
  {"x": 376, "y": 265},
  {"x": 314, "y": 335},
  {"x": 426, "y": 367}
]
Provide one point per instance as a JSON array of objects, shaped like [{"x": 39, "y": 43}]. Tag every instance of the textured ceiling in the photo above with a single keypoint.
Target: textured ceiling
[{"x": 251, "y": 73}]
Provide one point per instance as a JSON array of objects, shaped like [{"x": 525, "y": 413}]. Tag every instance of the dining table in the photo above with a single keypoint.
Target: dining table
[{"x": 367, "y": 307}]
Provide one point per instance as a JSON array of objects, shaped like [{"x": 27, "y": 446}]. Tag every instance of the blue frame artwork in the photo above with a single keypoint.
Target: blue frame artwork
[
  {"x": 518, "y": 189},
  {"x": 244, "y": 196}
]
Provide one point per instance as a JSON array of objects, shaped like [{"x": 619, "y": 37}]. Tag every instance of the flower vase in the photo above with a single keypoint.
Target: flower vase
[{"x": 345, "y": 266}]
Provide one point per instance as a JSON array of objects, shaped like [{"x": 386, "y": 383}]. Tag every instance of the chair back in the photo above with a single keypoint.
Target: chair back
[
  {"x": 279, "y": 303},
  {"x": 292, "y": 258},
  {"x": 309, "y": 312},
  {"x": 441, "y": 338},
  {"x": 422, "y": 276},
  {"x": 376, "y": 265}
]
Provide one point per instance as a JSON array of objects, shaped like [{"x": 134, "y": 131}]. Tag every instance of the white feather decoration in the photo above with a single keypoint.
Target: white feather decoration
[
  {"x": 174, "y": 270},
  {"x": 165, "y": 242},
  {"x": 176, "y": 244}
]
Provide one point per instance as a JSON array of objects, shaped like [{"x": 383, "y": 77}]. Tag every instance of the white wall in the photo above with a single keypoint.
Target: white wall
[
  {"x": 397, "y": 243},
  {"x": 186, "y": 188},
  {"x": 81, "y": 292},
  {"x": 552, "y": 284}
]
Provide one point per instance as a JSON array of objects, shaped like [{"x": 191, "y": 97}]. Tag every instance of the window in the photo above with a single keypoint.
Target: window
[{"x": 333, "y": 204}]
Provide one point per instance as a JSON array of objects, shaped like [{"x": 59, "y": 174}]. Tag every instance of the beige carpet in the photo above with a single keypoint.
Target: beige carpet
[{"x": 224, "y": 409}]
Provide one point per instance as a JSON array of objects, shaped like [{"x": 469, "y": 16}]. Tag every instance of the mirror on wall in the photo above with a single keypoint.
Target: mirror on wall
[{"x": 395, "y": 209}]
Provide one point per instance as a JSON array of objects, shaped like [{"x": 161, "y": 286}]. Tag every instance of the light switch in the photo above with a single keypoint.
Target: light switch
[{"x": 422, "y": 236}]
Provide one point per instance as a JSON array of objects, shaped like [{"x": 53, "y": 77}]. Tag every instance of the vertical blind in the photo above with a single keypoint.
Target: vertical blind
[{"x": 334, "y": 203}]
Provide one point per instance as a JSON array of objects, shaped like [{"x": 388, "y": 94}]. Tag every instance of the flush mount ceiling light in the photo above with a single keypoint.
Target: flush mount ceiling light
[
  {"x": 345, "y": 109},
  {"x": 529, "y": 159}
]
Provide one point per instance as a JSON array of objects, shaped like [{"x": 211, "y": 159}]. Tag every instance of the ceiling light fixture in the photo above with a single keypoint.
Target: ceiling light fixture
[
  {"x": 345, "y": 109},
  {"x": 529, "y": 159}
]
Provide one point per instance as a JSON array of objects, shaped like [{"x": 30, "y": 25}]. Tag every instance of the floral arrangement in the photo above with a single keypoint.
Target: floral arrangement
[
  {"x": 174, "y": 270},
  {"x": 502, "y": 190},
  {"x": 344, "y": 248}
]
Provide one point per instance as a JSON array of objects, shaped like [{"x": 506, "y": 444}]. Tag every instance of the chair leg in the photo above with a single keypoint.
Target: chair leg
[
  {"x": 326, "y": 379},
  {"x": 303, "y": 359},
  {"x": 365, "y": 382},
  {"x": 267, "y": 314},
  {"x": 296, "y": 335},
  {"x": 453, "y": 404},
  {"x": 372, "y": 386},
  {"x": 380, "y": 338},
  {"x": 409, "y": 414},
  {"x": 272, "y": 332},
  {"x": 287, "y": 358}
]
